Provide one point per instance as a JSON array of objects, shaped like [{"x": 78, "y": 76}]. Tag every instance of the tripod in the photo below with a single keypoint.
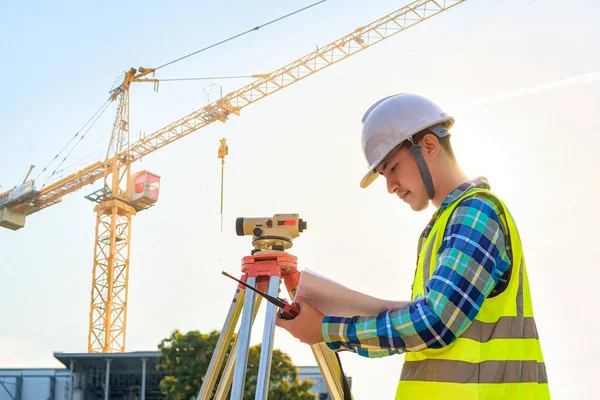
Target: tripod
[{"x": 268, "y": 265}]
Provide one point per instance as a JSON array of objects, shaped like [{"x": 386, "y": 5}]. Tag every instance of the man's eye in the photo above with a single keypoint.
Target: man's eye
[{"x": 394, "y": 167}]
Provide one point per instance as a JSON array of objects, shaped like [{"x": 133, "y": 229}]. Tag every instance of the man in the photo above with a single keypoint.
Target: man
[{"x": 469, "y": 331}]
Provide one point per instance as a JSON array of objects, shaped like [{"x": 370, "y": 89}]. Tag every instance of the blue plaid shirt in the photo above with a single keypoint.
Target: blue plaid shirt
[{"x": 474, "y": 243}]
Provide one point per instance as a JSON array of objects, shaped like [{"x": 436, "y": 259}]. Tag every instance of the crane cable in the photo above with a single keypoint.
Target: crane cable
[
  {"x": 95, "y": 118},
  {"x": 207, "y": 78},
  {"x": 516, "y": 8},
  {"x": 73, "y": 138},
  {"x": 118, "y": 79},
  {"x": 241, "y": 34}
]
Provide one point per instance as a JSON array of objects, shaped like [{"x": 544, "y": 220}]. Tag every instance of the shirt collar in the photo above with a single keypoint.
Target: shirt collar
[{"x": 479, "y": 182}]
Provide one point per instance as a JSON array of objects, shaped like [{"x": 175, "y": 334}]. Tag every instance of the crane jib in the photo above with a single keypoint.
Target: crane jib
[
  {"x": 107, "y": 323},
  {"x": 232, "y": 103}
]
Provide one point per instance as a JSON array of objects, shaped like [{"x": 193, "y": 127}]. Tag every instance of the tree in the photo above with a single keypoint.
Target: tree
[
  {"x": 185, "y": 359},
  {"x": 283, "y": 381}
]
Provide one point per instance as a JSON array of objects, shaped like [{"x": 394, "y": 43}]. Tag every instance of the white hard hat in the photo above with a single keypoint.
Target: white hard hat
[{"x": 394, "y": 119}]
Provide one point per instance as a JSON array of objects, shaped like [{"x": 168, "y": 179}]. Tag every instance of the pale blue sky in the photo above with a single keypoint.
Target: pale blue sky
[{"x": 298, "y": 151}]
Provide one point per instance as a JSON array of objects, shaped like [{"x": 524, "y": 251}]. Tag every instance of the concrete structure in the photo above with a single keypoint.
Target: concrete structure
[{"x": 104, "y": 376}]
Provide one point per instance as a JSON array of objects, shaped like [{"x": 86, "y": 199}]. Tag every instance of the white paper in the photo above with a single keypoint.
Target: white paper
[{"x": 334, "y": 299}]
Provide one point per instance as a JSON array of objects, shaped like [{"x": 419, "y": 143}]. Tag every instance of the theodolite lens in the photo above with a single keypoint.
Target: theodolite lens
[
  {"x": 302, "y": 225},
  {"x": 239, "y": 226}
]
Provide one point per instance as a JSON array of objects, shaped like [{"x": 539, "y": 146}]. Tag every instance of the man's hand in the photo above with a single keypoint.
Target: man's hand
[{"x": 307, "y": 326}]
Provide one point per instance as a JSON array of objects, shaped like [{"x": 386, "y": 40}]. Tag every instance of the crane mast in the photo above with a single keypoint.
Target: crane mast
[
  {"x": 110, "y": 272},
  {"x": 114, "y": 212}
]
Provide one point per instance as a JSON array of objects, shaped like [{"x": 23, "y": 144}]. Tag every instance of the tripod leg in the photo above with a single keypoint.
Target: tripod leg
[
  {"x": 330, "y": 369},
  {"x": 227, "y": 377},
  {"x": 221, "y": 349},
  {"x": 266, "y": 352},
  {"x": 325, "y": 357},
  {"x": 239, "y": 372}
]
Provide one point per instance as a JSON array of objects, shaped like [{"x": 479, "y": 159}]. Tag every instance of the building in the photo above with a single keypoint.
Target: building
[
  {"x": 102, "y": 376},
  {"x": 87, "y": 376},
  {"x": 320, "y": 387},
  {"x": 38, "y": 384},
  {"x": 121, "y": 376}
]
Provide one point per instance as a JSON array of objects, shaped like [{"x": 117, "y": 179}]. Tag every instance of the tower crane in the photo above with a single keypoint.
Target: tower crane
[{"x": 124, "y": 194}]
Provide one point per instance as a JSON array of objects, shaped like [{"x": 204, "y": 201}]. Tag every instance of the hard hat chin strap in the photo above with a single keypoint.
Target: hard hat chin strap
[{"x": 415, "y": 150}]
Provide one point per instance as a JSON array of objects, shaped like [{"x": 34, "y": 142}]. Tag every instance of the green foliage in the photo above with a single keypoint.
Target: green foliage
[
  {"x": 284, "y": 383},
  {"x": 185, "y": 359}
]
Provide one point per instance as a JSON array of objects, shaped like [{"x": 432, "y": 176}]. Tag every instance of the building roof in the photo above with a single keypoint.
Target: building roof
[
  {"x": 33, "y": 372},
  {"x": 131, "y": 361}
]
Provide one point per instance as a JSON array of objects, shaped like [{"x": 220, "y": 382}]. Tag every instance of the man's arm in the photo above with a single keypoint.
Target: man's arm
[{"x": 471, "y": 261}]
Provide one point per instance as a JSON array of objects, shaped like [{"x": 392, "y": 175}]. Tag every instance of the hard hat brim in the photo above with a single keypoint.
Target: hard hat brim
[
  {"x": 369, "y": 178},
  {"x": 373, "y": 174}
]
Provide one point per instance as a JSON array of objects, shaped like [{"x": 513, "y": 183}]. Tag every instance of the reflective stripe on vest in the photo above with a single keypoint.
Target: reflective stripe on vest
[{"x": 499, "y": 355}]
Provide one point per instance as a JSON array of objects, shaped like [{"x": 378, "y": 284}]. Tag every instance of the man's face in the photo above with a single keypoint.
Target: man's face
[{"x": 404, "y": 179}]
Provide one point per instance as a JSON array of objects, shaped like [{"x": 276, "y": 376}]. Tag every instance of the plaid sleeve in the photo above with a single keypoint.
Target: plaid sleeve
[{"x": 471, "y": 260}]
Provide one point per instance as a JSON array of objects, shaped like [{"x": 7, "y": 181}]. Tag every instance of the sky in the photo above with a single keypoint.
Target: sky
[{"x": 520, "y": 77}]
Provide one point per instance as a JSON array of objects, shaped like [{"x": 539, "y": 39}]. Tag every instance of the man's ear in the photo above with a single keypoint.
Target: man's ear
[{"x": 430, "y": 146}]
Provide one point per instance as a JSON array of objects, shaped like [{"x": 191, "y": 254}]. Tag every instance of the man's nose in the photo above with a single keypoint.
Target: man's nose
[{"x": 392, "y": 185}]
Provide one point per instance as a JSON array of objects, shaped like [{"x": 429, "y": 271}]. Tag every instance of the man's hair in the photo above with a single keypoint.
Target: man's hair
[{"x": 444, "y": 141}]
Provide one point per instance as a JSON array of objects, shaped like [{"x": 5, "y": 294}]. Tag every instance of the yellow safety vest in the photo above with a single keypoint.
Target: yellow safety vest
[{"x": 499, "y": 355}]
